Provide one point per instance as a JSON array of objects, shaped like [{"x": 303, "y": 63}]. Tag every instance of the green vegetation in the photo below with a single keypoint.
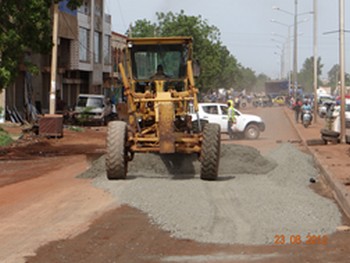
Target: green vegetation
[
  {"x": 5, "y": 138},
  {"x": 85, "y": 116},
  {"x": 25, "y": 28},
  {"x": 75, "y": 128},
  {"x": 306, "y": 74},
  {"x": 334, "y": 77},
  {"x": 219, "y": 68}
]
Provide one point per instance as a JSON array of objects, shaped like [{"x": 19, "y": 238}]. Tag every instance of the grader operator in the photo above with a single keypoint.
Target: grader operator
[{"x": 159, "y": 88}]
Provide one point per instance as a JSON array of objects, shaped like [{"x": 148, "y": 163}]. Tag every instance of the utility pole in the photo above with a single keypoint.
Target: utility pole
[
  {"x": 315, "y": 61},
  {"x": 295, "y": 59},
  {"x": 52, "y": 109},
  {"x": 342, "y": 70},
  {"x": 2, "y": 99}
]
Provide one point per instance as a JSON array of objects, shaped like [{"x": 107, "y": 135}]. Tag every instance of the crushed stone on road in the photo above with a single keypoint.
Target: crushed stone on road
[{"x": 254, "y": 199}]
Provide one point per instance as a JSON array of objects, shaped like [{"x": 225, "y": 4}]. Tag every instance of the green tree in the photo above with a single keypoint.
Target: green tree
[
  {"x": 306, "y": 75},
  {"x": 143, "y": 28},
  {"x": 334, "y": 77},
  {"x": 260, "y": 83},
  {"x": 247, "y": 80},
  {"x": 219, "y": 68},
  {"x": 25, "y": 26}
]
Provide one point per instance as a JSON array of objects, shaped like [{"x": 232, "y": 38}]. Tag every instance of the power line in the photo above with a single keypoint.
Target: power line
[{"x": 121, "y": 13}]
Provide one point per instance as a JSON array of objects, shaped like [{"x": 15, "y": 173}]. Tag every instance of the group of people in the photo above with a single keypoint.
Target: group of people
[{"x": 300, "y": 108}]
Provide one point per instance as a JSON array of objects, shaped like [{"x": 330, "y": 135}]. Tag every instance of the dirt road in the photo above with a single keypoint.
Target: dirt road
[{"x": 42, "y": 205}]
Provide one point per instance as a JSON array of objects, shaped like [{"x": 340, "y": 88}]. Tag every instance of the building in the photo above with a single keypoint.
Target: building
[{"x": 84, "y": 60}]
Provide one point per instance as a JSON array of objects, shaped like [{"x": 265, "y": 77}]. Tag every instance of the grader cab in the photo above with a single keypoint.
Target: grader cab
[{"x": 160, "y": 92}]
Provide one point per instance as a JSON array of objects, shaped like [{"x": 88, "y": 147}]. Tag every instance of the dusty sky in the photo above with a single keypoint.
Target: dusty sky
[{"x": 246, "y": 28}]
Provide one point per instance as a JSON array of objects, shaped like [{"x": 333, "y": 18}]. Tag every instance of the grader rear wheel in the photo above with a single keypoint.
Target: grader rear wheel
[
  {"x": 210, "y": 154},
  {"x": 117, "y": 155}
]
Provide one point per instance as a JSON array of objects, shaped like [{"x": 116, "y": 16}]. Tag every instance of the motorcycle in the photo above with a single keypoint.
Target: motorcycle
[{"x": 306, "y": 118}]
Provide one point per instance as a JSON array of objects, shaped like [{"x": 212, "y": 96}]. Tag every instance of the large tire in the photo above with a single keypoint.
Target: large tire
[
  {"x": 347, "y": 139},
  {"x": 313, "y": 142},
  {"x": 327, "y": 139},
  {"x": 330, "y": 133},
  {"x": 117, "y": 155},
  {"x": 195, "y": 125},
  {"x": 252, "y": 132},
  {"x": 210, "y": 153}
]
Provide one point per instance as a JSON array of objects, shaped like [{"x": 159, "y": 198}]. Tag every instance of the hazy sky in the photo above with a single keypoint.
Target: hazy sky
[{"x": 246, "y": 27}]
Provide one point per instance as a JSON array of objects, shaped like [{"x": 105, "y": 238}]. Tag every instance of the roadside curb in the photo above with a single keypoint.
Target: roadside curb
[{"x": 340, "y": 193}]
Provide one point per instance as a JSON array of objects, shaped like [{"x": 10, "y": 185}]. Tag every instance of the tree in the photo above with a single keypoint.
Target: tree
[
  {"x": 334, "y": 77},
  {"x": 247, "y": 80},
  {"x": 219, "y": 69},
  {"x": 143, "y": 28},
  {"x": 25, "y": 26},
  {"x": 260, "y": 83},
  {"x": 306, "y": 75}
]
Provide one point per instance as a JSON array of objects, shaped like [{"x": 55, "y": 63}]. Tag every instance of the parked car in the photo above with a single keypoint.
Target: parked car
[
  {"x": 324, "y": 97},
  {"x": 247, "y": 125},
  {"x": 324, "y": 106},
  {"x": 93, "y": 108}
]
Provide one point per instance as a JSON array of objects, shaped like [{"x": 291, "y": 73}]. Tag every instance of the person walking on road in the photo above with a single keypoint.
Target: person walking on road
[
  {"x": 297, "y": 109},
  {"x": 231, "y": 118}
]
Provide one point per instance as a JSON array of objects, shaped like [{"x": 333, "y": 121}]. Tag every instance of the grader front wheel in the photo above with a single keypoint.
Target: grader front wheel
[
  {"x": 210, "y": 153},
  {"x": 117, "y": 155}
]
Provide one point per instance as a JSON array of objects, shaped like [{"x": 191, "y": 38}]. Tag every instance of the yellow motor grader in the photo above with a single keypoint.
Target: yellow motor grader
[{"x": 160, "y": 93}]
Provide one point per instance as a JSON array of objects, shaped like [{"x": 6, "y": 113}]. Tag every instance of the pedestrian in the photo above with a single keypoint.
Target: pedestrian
[
  {"x": 297, "y": 108},
  {"x": 237, "y": 102},
  {"x": 231, "y": 118}
]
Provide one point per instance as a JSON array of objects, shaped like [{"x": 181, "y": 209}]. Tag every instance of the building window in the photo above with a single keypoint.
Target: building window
[
  {"x": 97, "y": 47},
  {"x": 98, "y": 8},
  {"x": 84, "y": 8},
  {"x": 83, "y": 44},
  {"x": 107, "y": 49}
]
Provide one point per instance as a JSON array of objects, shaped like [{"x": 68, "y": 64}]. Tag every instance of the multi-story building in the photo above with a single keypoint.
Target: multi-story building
[{"x": 84, "y": 60}]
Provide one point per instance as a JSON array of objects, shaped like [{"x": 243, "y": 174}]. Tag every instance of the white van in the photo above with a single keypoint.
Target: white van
[{"x": 93, "y": 108}]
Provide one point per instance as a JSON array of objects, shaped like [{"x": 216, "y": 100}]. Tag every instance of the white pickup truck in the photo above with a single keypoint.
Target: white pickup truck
[{"x": 246, "y": 124}]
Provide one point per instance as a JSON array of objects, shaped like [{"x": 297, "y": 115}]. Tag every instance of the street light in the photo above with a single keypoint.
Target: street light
[
  {"x": 281, "y": 54},
  {"x": 288, "y": 48},
  {"x": 315, "y": 61},
  {"x": 280, "y": 62},
  {"x": 295, "y": 52},
  {"x": 342, "y": 70},
  {"x": 295, "y": 60}
]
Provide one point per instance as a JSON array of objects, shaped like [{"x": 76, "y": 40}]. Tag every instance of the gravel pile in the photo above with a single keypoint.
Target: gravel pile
[
  {"x": 254, "y": 199},
  {"x": 234, "y": 159}
]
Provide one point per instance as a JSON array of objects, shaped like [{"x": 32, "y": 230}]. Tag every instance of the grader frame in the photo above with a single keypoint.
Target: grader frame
[{"x": 158, "y": 106}]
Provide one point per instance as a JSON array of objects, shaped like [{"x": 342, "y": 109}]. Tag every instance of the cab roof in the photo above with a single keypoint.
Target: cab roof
[{"x": 160, "y": 40}]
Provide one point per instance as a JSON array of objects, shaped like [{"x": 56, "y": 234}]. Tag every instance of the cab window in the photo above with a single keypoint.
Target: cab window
[
  {"x": 211, "y": 109},
  {"x": 224, "y": 110}
]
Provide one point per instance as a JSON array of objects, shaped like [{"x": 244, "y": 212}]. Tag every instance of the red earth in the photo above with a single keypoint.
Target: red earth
[{"x": 48, "y": 215}]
